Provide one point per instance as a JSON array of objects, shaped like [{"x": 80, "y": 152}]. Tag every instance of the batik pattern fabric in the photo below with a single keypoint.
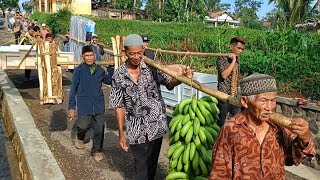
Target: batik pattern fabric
[
  {"x": 224, "y": 85},
  {"x": 237, "y": 154},
  {"x": 145, "y": 113}
]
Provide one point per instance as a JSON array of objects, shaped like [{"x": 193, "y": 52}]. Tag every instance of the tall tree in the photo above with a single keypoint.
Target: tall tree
[
  {"x": 154, "y": 9},
  {"x": 277, "y": 18},
  {"x": 216, "y": 5},
  {"x": 295, "y": 10},
  {"x": 8, "y": 3},
  {"x": 247, "y": 10},
  {"x": 176, "y": 10},
  {"x": 128, "y": 4}
]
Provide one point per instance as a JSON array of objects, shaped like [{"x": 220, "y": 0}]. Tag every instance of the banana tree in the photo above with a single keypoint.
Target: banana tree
[{"x": 295, "y": 10}]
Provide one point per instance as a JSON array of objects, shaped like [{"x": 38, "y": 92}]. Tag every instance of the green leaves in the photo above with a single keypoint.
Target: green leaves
[{"x": 58, "y": 22}]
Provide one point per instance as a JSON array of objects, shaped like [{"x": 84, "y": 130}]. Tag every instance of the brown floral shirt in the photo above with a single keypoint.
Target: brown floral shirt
[
  {"x": 224, "y": 85},
  {"x": 237, "y": 153}
]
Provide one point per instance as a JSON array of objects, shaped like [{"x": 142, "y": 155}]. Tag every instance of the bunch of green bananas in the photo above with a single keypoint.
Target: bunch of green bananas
[{"x": 193, "y": 131}]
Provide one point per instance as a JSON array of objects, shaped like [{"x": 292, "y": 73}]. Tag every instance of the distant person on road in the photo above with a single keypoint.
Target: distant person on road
[
  {"x": 44, "y": 31},
  {"x": 86, "y": 94},
  {"x": 35, "y": 25},
  {"x": 26, "y": 24},
  {"x": 97, "y": 48},
  {"x": 10, "y": 18},
  {"x": 66, "y": 43},
  {"x": 28, "y": 40},
  {"x": 139, "y": 107},
  {"x": 17, "y": 29},
  {"x": 49, "y": 38},
  {"x": 228, "y": 77},
  {"x": 250, "y": 146},
  {"x": 147, "y": 52}
]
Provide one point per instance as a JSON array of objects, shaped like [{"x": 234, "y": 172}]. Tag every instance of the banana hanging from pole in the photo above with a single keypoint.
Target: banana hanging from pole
[{"x": 275, "y": 117}]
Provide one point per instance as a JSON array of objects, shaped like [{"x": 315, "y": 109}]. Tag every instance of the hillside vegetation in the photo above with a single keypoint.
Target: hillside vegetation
[{"x": 291, "y": 56}]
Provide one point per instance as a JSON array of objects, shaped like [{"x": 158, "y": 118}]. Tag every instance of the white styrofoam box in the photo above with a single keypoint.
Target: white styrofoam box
[
  {"x": 23, "y": 47},
  {"x": 66, "y": 57},
  {"x": 184, "y": 91},
  {"x": 171, "y": 98},
  {"x": 210, "y": 80},
  {"x": 30, "y": 61},
  {"x": 10, "y": 59},
  {"x": 206, "y": 79},
  {"x": 11, "y": 56}
]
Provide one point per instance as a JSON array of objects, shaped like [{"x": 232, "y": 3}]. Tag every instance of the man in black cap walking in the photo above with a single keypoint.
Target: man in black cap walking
[{"x": 147, "y": 52}]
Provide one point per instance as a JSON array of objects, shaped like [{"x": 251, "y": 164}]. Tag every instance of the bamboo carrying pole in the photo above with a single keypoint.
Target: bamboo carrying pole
[
  {"x": 115, "y": 52},
  {"x": 79, "y": 62},
  {"x": 275, "y": 117},
  {"x": 200, "y": 54}
]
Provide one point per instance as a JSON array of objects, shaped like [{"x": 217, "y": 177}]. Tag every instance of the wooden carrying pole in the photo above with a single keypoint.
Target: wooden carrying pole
[
  {"x": 275, "y": 117},
  {"x": 79, "y": 62},
  {"x": 200, "y": 54}
]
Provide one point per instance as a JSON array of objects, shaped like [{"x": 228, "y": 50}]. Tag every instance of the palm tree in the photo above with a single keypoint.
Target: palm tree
[{"x": 295, "y": 10}]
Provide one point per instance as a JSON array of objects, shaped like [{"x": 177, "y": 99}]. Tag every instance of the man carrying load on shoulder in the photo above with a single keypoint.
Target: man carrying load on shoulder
[
  {"x": 139, "y": 106},
  {"x": 228, "y": 77},
  {"x": 250, "y": 146},
  {"x": 86, "y": 95}
]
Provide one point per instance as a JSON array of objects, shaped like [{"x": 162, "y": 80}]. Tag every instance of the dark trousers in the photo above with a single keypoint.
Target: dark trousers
[
  {"x": 226, "y": 108},
  {"x": 146, "y": 157},
  {"x": 85, "y": 122},
  {"x": 27, "y": 74},
  {"x": 17, "y": 37}
]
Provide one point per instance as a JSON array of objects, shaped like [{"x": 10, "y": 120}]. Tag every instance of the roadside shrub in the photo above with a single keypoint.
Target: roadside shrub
[{"x": 58, "y": 22}]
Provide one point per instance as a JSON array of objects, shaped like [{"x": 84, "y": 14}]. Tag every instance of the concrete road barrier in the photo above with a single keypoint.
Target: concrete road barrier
[{"x": 36, "y": 161}]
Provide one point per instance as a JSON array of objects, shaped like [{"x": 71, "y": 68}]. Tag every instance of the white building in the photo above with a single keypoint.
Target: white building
[{"x": 221, "y": 18}]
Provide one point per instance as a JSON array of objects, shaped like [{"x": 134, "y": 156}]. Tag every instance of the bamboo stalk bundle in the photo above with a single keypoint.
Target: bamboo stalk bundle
[
  {"x": 275, "y": 117},
  {"x": 56, "y": 75},
  {"x": 42, "y": 73},
  {"x": 50, "y": 75},
  {"x": 117, "y": 46},
  {"x": 121, "y": 50},
  {"x": 115, "y": 52},
  {"x": 49, "y": 71}
]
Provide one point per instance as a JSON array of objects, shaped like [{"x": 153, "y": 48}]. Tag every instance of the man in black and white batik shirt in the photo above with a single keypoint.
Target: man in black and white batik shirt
[{"x": 139, "y": 106}]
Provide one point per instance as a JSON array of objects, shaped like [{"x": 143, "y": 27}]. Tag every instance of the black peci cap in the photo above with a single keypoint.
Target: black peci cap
[{"x": 145, "y": 38}]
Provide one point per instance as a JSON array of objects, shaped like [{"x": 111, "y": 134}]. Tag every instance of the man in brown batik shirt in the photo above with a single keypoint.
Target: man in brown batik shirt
[
  {"x": 228, "y": 72},
  {"x": 249, "y": 146}
]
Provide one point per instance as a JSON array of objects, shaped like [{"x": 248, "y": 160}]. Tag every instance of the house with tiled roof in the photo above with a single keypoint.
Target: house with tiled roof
[{"x": 221, "y": 18}]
